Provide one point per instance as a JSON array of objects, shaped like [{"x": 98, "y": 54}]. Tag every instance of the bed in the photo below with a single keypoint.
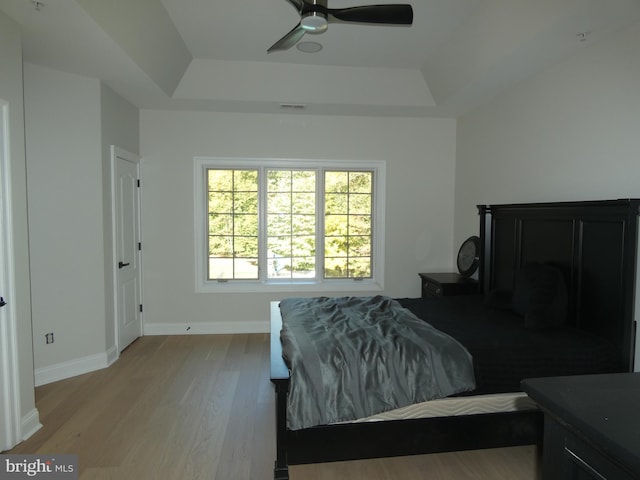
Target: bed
[{"x": 594, "y": 247}]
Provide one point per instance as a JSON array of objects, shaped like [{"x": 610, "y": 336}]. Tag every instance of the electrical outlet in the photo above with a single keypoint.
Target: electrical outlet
[{"x": 49, "y": 338}]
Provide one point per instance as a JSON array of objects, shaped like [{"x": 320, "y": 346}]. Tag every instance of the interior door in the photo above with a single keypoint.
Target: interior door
[{"x": 127, "y": 247}]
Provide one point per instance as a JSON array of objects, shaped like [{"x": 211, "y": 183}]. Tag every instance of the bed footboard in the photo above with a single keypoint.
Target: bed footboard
[{"x": 351, "y": 441}]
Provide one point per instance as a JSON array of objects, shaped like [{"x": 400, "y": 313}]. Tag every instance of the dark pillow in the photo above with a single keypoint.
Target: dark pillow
[
  {"x": 540, "y": 296},
  {"x": 499, "y": 298}
]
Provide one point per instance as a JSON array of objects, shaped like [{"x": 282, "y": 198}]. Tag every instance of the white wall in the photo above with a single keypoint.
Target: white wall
[
  {"x": 64, "y": 169},
  {"x": 11, "y": 91},
  {"x": 120, "y": 126},
  {"x": 420, "y": 155},
  {"x": 71, "y": 123},
  {"x": 570, "y": 133}
]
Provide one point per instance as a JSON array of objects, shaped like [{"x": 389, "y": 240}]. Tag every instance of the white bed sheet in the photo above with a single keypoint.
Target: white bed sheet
[{"x": 454, "y": 406}]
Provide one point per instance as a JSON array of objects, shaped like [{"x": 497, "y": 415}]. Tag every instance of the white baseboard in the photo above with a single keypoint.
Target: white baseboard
[
  {"x": 112, "y": 355},
  {"x": 71, "y": 368},
  {"x": 205, "y": 328},
  {"x": 30, "y": 423},
  {"x": 91, "y": 363}
]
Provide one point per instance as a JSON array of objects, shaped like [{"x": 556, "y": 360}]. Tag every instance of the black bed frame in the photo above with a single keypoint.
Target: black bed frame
[{"x": 595, "y": 246}]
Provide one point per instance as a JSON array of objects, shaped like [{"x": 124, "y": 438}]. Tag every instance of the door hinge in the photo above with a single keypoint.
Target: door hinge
[
  {"x": 138, "y": 183},
  {"x": 140, "y": 308},
  {"x": 139, "y": 246}
]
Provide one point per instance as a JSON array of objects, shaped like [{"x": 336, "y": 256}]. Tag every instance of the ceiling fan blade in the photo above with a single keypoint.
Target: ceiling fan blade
[
  {"x": 289, "y": 40},
  {"x": 388, "y": 14},
  {"x": 298, "y": 4}
]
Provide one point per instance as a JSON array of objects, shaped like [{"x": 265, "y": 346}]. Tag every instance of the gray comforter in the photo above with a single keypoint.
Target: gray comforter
[{"x": 352, "y": 357}]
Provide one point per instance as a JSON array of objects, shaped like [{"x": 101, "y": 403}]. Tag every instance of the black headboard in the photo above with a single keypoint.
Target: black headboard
[{"x": 594, "y": 244}]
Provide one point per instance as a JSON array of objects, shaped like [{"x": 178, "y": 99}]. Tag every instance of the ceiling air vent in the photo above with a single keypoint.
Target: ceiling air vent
[{"x": 293, "y": 106}]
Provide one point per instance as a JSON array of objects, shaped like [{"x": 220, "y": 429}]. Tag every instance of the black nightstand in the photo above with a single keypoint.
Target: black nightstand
[{"x": 444, "y": 284}]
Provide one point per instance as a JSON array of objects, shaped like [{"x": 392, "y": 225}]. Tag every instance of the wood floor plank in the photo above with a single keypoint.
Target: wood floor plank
[{"x": 202, "y": 407}]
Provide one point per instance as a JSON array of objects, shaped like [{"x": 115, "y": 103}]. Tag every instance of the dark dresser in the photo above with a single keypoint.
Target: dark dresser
[
  {"x": 444, "y": 284},
  {"x": 591, "y": 425}
]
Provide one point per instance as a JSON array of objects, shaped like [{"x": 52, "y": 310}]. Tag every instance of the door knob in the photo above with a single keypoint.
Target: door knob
[
  {"x": 122, "y": 264},
  {"x": 2, "y": 302}
]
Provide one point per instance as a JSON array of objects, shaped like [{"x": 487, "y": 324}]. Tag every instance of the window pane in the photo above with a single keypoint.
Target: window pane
[
  {"x": 336, "y": 203},
  {"x": 303, "y": 246},
  {"x": 246, "y": 269},
  {"x": 336, "y": 246},
  {"x": 246, "y": 202},
  {"x": 303, "y": 203},
  {"x": 359, "y": 268},
  {"x": 360, "y": 182},
  {"x": 278, "y": 180},
  {"x": 245, "y": 180},
  {"x": 279, "y": 247},
  {"x": 303, "y": 224},
  {"x": 232, "y": 223},
  {"x": 304, "y": 267},
  {"x": 279, "y": 202},
  {"x": 220, "y": 224},
  {"x": 359, "y": 225},
  {"x": 245, "y": 225},
  {"x": 360, "y": 246},
  {"x": 336, "y": 182},
  {"x": 348, "y": 224},
  {"x": 220, "y": 246},
  {"x": 336, "y": 225},
  {"x": 279, "y": 267},
  {"x": 246, "y": 247},
  {"x": 220, "y": 180},
  {"x": 220, "y": 268},
  {"x": 291, "y": 237},
  {"x": 279, "y": 224},
  {"x": 221, "y": 202},
  {"x": 303, "y": 181},
  {"x": 360, "y": 203},
  {"x": 335, "y": 267}
]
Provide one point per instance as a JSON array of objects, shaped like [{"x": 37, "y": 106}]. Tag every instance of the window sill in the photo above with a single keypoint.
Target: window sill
[{"x": 280, "y": 287}]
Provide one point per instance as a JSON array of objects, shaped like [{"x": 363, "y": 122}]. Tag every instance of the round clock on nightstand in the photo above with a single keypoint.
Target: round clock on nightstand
[{"x": 469, "y": 256}]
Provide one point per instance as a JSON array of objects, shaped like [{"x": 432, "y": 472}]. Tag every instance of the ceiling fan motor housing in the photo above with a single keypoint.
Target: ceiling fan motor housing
[{"x": 314, "y": 22}]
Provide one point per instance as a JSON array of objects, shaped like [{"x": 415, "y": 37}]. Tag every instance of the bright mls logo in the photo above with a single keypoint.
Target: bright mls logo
[{"x": 56, "y": 467}]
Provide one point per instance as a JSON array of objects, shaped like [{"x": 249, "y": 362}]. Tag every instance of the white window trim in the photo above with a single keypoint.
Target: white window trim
[{"x": 202, "y": 285}]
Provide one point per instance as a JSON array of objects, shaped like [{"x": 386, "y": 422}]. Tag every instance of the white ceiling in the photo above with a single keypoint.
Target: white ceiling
[{"x": 212, "y": 54}]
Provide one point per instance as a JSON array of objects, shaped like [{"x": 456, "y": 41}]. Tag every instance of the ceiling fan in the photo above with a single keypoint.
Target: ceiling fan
[{"x": 315, "y": 18}]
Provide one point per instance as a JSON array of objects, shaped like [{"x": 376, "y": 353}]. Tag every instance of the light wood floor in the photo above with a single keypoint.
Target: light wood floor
[{"x": 196, "y": 407}]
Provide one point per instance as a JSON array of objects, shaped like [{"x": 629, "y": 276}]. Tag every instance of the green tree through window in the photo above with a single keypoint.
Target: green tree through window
[
  {"x": 347, "y": 229},
  {"x": 291, "y": 223},
  {"x": 233, "y": 224}
]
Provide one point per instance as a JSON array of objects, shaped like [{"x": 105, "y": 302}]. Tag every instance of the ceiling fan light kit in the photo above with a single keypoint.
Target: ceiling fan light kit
[
  {"x": 315, "y": 18},
  {"x": 314, "y": 22}
]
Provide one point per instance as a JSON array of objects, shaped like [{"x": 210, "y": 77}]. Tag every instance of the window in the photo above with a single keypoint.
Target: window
[
  {"x": 232, "y": 224},
  {"x": 348, "y": 219},
  {"x": 267, "y": 225},
  {"x": 291, "y": 224}
]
